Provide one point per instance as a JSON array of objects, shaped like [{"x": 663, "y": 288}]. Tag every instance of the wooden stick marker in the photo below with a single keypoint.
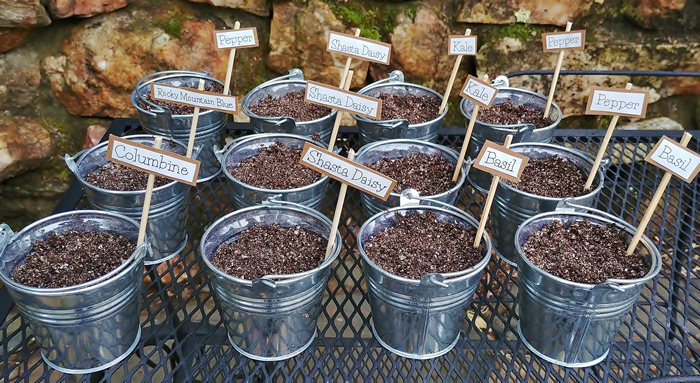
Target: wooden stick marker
[
  {"x": 344, "y": 75},
  {"x": 561, "y": 41},
  {"x": 501, "y": 162},
  {"x": 676, "y": 160},
  {"x": 338, "y": 210},
  {"x": 614, "y": 102},
  {"x": 233, "y": 39},
  {"x": 338, "y": 117},
  {"x": 482, "y": 94},
  {"x": 195, "y": 121},
  {"x": 460, "y": 46},
  {"x": 147, "y": 200}
]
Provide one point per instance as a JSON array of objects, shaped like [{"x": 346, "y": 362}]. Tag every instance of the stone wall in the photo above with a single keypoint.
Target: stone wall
[{"x": 69, "y": 65}]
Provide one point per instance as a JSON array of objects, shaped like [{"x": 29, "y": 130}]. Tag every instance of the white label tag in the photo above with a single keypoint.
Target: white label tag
[
  {"x": 672, "y": 157},
  {"x": 559, "y": 41},
  {"x": 502, "y": 162},
  {"x": 609, "y": 101},
  {"x": 152, "y": 160},
  {"x": 479, "y": 92},
  {"x": 347, "y": 171},
  {"x": 236, "y": 38},
  {"x": 194, "y": 97},
  {"x": 463, "y": 45},
  {"x": 359, "y": 47},
  {"x": 337, "y": 98}
]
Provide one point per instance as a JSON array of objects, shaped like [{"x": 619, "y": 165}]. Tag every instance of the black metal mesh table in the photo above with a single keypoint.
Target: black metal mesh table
[{"x": 184, "y": 339}]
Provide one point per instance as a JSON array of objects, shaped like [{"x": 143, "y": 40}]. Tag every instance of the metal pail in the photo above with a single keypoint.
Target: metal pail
[
  {"x": 279, "y": 87},
  {"x": 274, "y": 317},
  {"x": 413, "y": 318},
  {"x": 511, "y": 206},
  {"x": 573, "y": 324},
  {"x": 497, "y": 133},
  {"x": 371, "y": 130},
  {"x": 245, "y": 195},
  {"x": 211, "y": 126},
  {"x": 370, "y": 154},
  {"x": 88, "y": 327},
  {"x": 167, "y": 216}
]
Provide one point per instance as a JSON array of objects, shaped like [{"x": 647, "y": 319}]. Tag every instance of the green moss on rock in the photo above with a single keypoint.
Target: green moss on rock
[{"x": 376, "y": 21}]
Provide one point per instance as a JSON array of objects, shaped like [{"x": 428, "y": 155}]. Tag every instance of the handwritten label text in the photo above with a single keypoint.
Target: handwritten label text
[
  {"x": 337, "y": 98},
  {"x": 236, "y": 38},
  {"x": 559, "y": 41},
  {"x": 463, "y": 45},
  {"x": 610, "y": 101},
  {"x": 479, "y": 92},
  {"x": 502, "y": 162},
  {"x": 359, "y": 47},
  {"x": 675, "y": 158},
  {"x": 194, "y": 97}
]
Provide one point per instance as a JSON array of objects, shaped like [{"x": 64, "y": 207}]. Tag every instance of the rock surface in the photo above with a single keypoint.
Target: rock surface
[
  {"x": 660, "y": 123},
  {"x": 648, "y": 10},
  {"x": 24, "y": 144},
  {"x": 83, "y": 8},
  {"x": 20, "y": 79},
  {"x": 12, "y": 38},
  {"x": 258, "y": 7},
  {"x": 23, "y": 13},
  {"x": 553, "y": 12}
]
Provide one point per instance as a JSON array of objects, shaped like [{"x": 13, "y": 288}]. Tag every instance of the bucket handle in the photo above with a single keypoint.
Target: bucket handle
[
  {"x": 616, "y": 284},
  {"x": 523, "y": 133},
  {"x": 164, "y": 114},
  {"x": 394, "y": 124},
  {"x": 434, "y": 279},
  {"x": 294, "y": 74},
  {"x": 396, "y": 76},
  {"x": 5, "y": 235},
  {"x": 500, "y": 82},
  {"x": 70, "y": 160}
]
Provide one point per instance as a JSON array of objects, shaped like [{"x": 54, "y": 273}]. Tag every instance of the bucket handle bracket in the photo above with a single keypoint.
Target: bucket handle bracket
[
  {"x": 5, "y": 234},
  {"x": 432, "y": 279}
]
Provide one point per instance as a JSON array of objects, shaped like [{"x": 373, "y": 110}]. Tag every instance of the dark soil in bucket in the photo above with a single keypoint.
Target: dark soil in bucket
[
  {"x": 415, "y": 109},
  {"x": 584, "y": 253},
  {"x": 63, "y": 260},
  {"x": 291, "y": 105},
  {"x": 118, "y": 177},
  {"x": 267, "y": 250},
  {"x": 430, "y": 174},
  {"x": 553, "y": 176},
  {"x": 420, "y": 244},
  {"x": 508, "y": 113},
  {"x": 177, "y": 109},
  {"x": 276, "y": 167}
]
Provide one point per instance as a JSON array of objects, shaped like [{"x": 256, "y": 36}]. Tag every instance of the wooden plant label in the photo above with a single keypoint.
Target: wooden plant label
[
  {"x": 347, "y": 171},
  {"x": 502, "y": 162},
  {"x": 462, "y": 45},
  {"x": 560, "y": 41},
  {"x": 195, "y": 98},
  {"x": 236, "y": 38},
  {"x": 336, "y": 98},
  {"x": 675, "y": 158},
  {"x": 478, "y": 91},
  {"x": 152, "y": 160},
  {"x": 617, "y": 102},
  {"x": 359, "y": 47}
]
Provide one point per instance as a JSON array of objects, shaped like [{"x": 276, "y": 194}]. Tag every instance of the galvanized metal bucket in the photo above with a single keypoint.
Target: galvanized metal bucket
[
  {"x": 371, "y": 130},
  {"x": 211, "y": 127},
  {"x": 370, "y": 154},
  {"x": 497, "y": 133},
  {"x": 511, "y": 206},
  {"x": 419, "y": 319},
  {"x": 167, "y": 216},
  {"x": 88, "y": 327},
  {"x": 279, "y": 87},
  {"x": 272, "y": 318},
  {"x": 573, "y": 324},
  {"x": 244, "y": 195}
]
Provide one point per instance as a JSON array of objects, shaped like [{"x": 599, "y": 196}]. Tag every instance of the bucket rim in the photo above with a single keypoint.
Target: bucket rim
[
  {"x": 86, "y": 287},
  {"x": 369, "y": 87},
  {"x": 573, "y": 151},
  {"x": 288, "y": 278},
  {"x": 452, "y": 152},
  {"x": 252, "y": 137},
  {"x": 654, "y": 253},
  {"x": 553, "y": 125},
  {"x": 249, "y": 113},
  {"x": 448, "y": 277},
  {"x": 122, "y": 192},
  {"x": 167, "y": 75}
]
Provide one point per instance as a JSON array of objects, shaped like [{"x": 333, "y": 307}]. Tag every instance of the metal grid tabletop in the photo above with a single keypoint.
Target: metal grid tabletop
[{"x": 184, "y": 339}]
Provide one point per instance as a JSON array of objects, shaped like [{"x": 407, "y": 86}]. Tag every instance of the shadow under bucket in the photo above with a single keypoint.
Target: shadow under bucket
[
  {"x": 245, "y": 195},
  {"x": 419, "y": 319},
  {"x": 272, "y": 318},
  {"x": 279, "y": 87},
  {"x": 211, "y": 126},
  {"x": 372, "y": 153},
  {"x": 573, "y": 324},
  {"x": 512, "y": 206},
  {"x": 373, "y": 130},
  {"x": 497, "y": 133},
  {"x": 167, "y": 216},
  {"x": 88, "y": 327}
]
